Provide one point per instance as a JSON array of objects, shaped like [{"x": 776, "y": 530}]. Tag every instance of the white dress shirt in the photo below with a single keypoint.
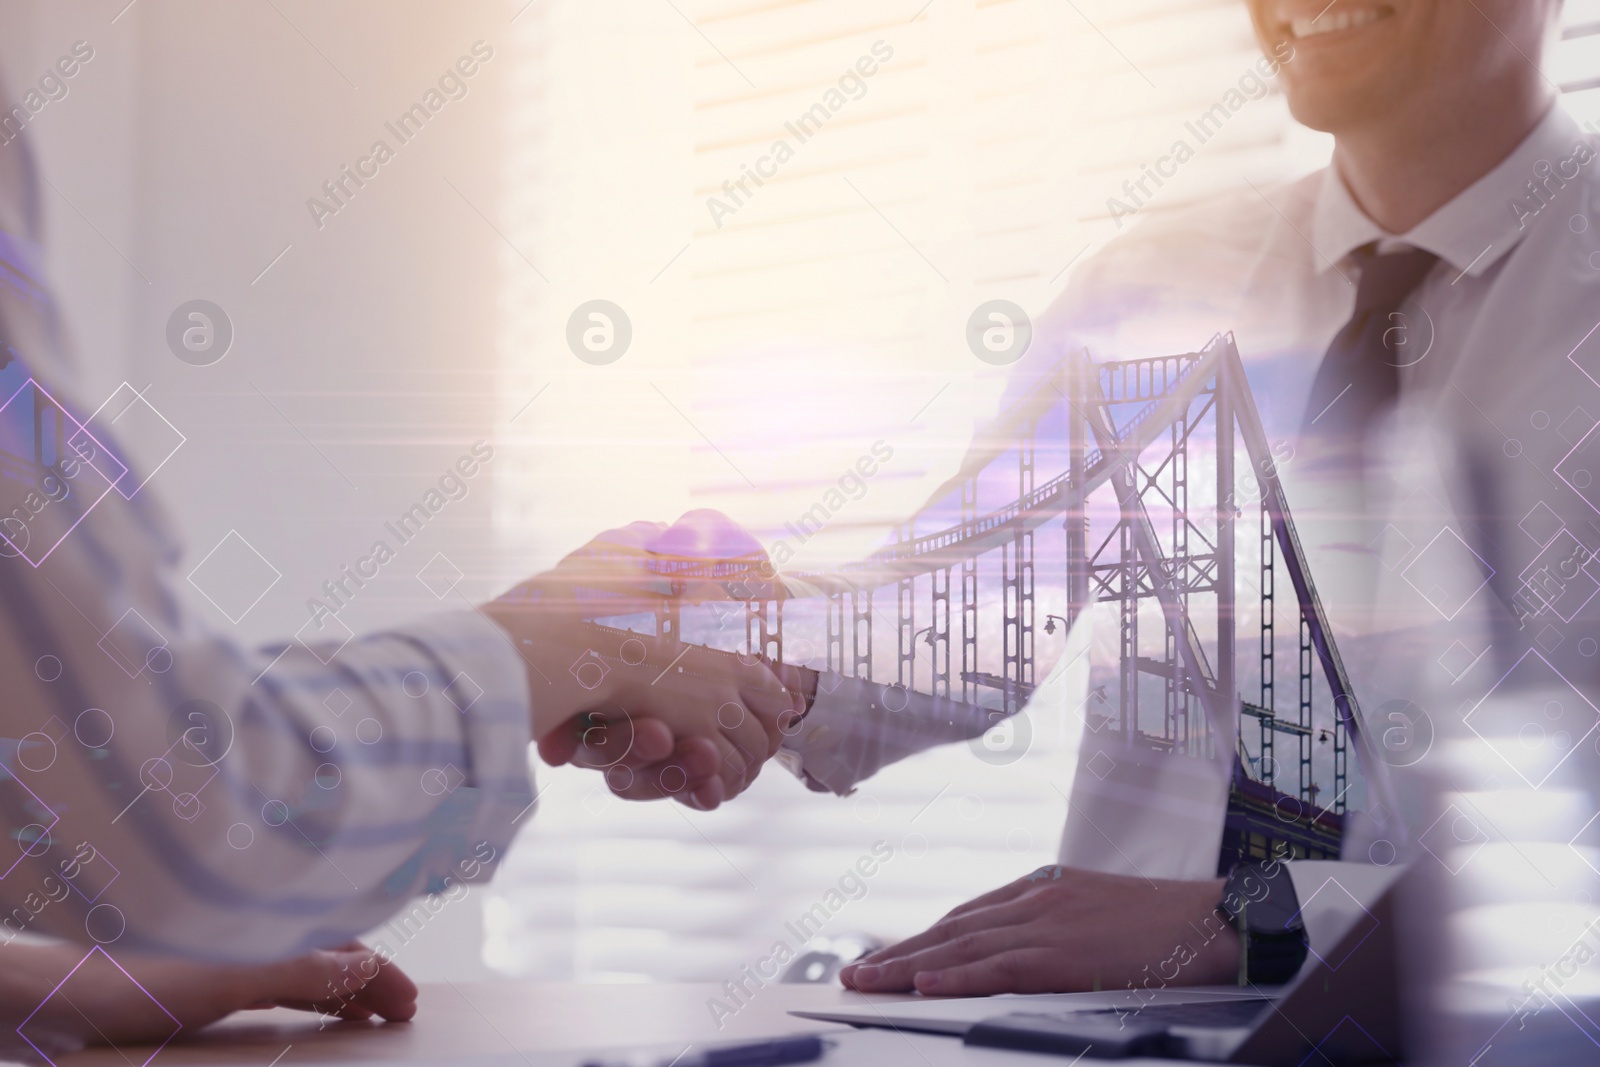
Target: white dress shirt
[{"x": 1504, "y": 401}]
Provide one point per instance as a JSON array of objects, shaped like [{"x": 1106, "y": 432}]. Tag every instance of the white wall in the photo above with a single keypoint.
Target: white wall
[{"x": 190, "y": 144}]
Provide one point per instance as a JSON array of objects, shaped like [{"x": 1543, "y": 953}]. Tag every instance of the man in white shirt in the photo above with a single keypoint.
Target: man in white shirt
[{"x": 1461, "y": 198}]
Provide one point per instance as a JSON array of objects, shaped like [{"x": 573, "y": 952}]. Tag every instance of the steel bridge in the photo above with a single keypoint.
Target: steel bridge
[{"x": 1127, "y": 488}]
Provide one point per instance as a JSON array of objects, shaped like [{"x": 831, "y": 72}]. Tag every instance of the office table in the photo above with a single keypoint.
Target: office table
[
  {"x": 532, "y": 1024},
  {"x": 457, "y": 1020}
]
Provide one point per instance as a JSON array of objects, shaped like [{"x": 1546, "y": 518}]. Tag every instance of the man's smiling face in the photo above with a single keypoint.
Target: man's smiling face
[{"x": 1355, "y": 60}]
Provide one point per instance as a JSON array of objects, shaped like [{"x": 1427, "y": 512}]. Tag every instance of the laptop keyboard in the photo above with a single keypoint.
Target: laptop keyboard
[{"x": 1217, "y": 1014}]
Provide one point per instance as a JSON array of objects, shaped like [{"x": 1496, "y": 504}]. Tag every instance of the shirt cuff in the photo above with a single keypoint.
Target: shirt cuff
[
  {"x": 1333, "y": 894},
  {"x": 855, "y": 728}
]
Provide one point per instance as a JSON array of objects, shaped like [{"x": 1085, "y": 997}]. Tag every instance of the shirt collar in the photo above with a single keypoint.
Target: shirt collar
[{"x": 1471, "y": 232}]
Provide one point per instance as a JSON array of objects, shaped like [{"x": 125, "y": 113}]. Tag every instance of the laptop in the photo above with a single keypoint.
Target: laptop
[{"x": 1342, "y": 1008}]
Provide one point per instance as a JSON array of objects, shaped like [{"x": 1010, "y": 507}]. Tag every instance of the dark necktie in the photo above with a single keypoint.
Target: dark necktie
[
  {"x": 1360, "y": 375},
  {"x": 1359, "y": 378}
]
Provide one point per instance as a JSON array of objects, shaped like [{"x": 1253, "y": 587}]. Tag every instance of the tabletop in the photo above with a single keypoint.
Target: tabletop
[{"x": 459, "y": 1020}]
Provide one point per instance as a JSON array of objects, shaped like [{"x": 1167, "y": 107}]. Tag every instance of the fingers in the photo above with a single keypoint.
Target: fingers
[
  {"x": 692, "y": 773},
  {"x": 606, "y": 737},
  {"x": 904, "y": 972},
  {"x": 622, "y": 561},
  {"x": 1019, "y": 970},
  {"x": 611, "y": 737},
  {"x": 706, "y": 762},
  {"x": 707, "y": 795},
  {"x": 957, "y": 924},
  {"x": 352, "y": 982},
  {"x": 391, "y": 995},
  {"x": 710, "y": 712},
  {"x": 637, "y": 699},
  {"x": 754, "y": 709},
  {"x": 338, "y": 1009},
  {"x": 594, "y": 740},
  {"x": 749, "y": 730},
  {"x": 652, "y": 743},
  {"x": 559, "y": 745}
]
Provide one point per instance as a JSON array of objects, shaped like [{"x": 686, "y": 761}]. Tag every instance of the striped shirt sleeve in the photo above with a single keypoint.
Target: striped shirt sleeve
[{"x": 164, "y": 788}]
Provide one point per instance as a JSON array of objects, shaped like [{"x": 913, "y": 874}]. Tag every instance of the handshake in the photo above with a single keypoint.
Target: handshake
[{"x": 656, "y": 716}]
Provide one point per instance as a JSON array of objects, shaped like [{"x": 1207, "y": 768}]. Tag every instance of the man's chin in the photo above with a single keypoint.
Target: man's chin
[{"x": 1335, "y": 109}]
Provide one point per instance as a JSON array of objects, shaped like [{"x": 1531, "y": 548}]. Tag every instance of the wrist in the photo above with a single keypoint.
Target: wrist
[
  {"x": 548, "y": 699},
  {"x": 1261, "y": 905},
  {"x": 1217, "y": 960}
]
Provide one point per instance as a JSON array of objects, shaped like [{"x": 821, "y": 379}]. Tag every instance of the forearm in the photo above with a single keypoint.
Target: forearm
[
  {"x": 245, "y": 811},
  {"x": 55, "y": 999},
  {"x": 28, "y": 972},
  {"x": 174, "y": 790},
  {"x": 28, "y": 976},
  {"x": 1216, "y": 945},
  {"x": 855, "y": 728}
]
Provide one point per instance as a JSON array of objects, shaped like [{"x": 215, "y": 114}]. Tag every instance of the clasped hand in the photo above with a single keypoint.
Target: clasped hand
[{"x": 657, "y": 717}]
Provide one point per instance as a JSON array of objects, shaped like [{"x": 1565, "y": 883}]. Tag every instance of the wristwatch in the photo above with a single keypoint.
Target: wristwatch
[{"x": 1260, "y": 903}]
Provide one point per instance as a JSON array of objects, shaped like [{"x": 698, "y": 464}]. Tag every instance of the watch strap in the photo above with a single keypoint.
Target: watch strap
[{"x": 1260, "y": 903}]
